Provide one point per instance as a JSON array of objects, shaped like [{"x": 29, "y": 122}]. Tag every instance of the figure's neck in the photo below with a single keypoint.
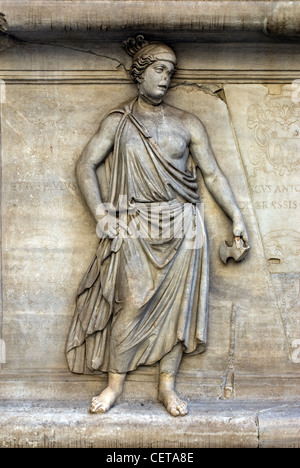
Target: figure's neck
[{"x": 148, "y": 104}]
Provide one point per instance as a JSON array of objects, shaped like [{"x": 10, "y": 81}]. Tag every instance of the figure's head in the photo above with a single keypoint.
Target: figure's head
[{"x": 153, "y": 64}]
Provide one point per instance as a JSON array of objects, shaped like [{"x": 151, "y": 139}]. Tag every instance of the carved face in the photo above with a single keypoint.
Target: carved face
[{"x": 156, "y": 80}]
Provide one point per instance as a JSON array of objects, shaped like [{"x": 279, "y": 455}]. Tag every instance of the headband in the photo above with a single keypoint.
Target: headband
[{"x": 157, "y": 50}]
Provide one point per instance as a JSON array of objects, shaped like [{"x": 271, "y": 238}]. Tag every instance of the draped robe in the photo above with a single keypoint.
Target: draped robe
[{"x": 143, "y": 294}]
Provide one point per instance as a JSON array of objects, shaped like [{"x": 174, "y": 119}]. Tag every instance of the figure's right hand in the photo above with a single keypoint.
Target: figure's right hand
[
  {"x": 107, "y": 226},
  {"x": 239, "y": 230},
  {"x": 110, "y": 226}
]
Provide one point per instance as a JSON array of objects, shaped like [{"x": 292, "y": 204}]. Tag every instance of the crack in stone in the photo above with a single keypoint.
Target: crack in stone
[
  {"x": 89, "y": 51},
  {"x": 210, "y": 89},
  {"x": 228, "y": 380},
  {"x": 257, "y": 423},
  {"x": 63, "y": 46}
]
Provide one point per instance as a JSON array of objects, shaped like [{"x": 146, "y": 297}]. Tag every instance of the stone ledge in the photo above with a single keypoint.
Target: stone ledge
[
  {"x": 280, "y": 427},
  {"x": 279, "y": 18},
  {"x": 215, "y": 424}
]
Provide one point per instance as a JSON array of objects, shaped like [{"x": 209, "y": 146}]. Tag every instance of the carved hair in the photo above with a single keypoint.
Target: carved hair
[
  {"x": 132, "y": 46},
  {"x": 139, "y": 66}
]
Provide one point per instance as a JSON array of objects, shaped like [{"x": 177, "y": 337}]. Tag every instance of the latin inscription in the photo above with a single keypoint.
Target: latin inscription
[
  {"x": 44, "y": 186},
  {"x": 276, "y": 188},
  {"x": 265, "y": 201}
]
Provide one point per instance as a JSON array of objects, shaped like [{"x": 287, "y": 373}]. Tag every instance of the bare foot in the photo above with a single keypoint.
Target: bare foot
[
  {"x": 174, "y": 405},
  {"x": 103, "y": 402}
]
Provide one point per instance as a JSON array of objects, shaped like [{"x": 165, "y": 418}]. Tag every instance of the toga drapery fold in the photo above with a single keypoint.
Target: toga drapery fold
[{"x": 143, "y": 294}]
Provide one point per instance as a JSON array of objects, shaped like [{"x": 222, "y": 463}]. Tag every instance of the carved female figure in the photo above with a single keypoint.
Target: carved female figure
[{"x": 144, "y": 300}]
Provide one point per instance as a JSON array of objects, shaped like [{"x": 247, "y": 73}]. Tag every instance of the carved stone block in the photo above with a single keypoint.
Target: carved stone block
[{"x": 59, "y": 79}]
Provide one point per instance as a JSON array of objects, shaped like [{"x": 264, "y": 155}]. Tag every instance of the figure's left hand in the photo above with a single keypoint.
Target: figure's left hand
[{"x": 239, "y": 230}]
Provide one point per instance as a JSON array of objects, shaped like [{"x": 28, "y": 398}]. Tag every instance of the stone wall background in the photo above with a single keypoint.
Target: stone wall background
[{"x": 56, "y": 93}]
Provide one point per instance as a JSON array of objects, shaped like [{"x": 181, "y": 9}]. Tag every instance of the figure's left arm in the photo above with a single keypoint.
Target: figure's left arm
[{"x": 214, "y": 179}]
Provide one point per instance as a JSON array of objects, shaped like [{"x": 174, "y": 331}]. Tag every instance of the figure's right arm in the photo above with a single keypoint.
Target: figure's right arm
[{"x": 94, "y": 154}]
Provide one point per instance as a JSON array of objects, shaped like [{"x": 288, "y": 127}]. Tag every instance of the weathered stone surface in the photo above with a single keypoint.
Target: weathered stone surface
[
  {"x": 52, "y": 100},
  {"x": 44, "y": 257},
  {"x": 229, "y": 424},
  {"x": 279, "y": 427},
  {"x": 127, "y": 425},
  {"x": 268, "y": 131},
  {"x": 279, "y": 18},
  {"x": 266, "y": 122}
]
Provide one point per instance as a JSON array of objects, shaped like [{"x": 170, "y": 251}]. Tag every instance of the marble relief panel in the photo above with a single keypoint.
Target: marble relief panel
[{"x": 46, "y": 224}]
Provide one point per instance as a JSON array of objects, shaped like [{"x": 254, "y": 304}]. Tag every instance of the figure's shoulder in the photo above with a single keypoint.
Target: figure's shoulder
[{"x": 110, "y": 122}]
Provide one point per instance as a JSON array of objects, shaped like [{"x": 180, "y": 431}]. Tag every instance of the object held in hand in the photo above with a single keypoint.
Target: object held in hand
[{"x": 238, "y": 250}]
